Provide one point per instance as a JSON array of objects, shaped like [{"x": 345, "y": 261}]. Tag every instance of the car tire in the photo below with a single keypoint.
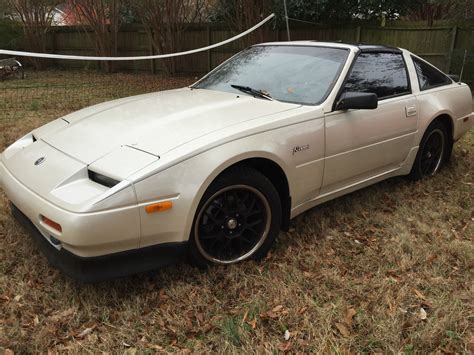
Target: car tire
[
  {"x": 237, "y": 219},
  {"x": 434, "y": 150}
]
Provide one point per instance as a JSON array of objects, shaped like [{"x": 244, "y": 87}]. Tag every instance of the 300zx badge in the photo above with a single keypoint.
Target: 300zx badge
[{"x": 300, "y": 148}]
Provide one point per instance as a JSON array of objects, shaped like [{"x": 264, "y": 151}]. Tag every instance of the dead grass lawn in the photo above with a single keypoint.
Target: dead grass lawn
[{"x": 386, "y": 269}]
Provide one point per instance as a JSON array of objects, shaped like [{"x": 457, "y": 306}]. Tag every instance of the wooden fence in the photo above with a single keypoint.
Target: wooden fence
[{"x": 445, "y": 47}]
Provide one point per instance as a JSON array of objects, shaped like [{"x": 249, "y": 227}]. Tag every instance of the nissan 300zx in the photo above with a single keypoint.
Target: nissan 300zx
[{"x": 214, "y": 171}]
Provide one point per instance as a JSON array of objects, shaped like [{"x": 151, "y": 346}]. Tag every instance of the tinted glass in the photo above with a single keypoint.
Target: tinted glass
[
  {"x": 428, "y": 76},
  {"x": 381, "y": 73},
  {"x": 300, "y": 74}
]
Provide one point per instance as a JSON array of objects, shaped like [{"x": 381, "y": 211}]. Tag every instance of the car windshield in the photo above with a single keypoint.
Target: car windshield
[{"x": 298, "y": 74}]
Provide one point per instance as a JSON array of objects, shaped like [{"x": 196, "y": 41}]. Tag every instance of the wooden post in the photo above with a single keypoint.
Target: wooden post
[
  {"x": 209, "y": 52},
  {"x": 53, "y": 44},
  {"x": 357, "y": 34},
  {"x": 152, "y": 52},
  {"x": 451, "y": 49}
]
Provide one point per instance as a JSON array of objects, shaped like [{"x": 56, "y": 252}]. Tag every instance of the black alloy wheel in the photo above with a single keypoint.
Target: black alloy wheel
[
  {"x": 432, "y": 154},
  {"x": 434, "y": 150},
  {"x": 237, "y": 219}
]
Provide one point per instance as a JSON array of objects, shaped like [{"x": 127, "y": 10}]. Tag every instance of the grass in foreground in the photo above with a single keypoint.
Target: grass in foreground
[{"x": 385, "y": 269}]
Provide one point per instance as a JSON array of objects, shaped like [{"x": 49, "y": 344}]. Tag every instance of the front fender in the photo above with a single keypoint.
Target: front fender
[{"x": 185, "y": 184}]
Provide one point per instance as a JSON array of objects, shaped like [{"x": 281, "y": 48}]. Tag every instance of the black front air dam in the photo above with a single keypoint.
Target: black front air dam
[{"x": 105, "y": 267}]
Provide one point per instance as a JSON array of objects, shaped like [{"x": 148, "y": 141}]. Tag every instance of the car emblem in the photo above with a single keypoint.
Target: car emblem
[
  {"x": 300, "y": 148},
  {"x": 40, "y": 161}
]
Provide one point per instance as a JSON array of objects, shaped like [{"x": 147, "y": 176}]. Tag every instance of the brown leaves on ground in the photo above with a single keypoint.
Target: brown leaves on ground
[
  {"x": 345, "y": 326},
  {"x": 387, "y": 269}
]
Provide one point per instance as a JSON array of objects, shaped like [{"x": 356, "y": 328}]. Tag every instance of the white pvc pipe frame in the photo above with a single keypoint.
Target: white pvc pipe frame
[{"x": 159, "y": 56}]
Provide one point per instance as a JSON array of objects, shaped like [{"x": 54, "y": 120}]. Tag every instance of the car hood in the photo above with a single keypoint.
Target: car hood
[{"x": 155, "y": 123}]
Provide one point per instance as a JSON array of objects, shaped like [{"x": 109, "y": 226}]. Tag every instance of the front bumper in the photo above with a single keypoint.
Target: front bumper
[
  {"x": 105, "y": 267},
  {"x": 83, "y": 234},
  {"x": 91, "y": 246}
]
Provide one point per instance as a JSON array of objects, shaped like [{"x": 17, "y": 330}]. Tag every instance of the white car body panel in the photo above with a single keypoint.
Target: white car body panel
[
  {"x": 139, "y": 121},
  {"x": 170, "y": 146}
]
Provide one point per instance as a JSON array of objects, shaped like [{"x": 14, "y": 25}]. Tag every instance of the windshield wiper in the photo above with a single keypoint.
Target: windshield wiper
[{"x": 254, "y": 92}]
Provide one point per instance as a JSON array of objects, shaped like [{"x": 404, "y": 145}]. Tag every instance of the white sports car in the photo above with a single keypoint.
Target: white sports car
[{"x": 215, "y": 170}]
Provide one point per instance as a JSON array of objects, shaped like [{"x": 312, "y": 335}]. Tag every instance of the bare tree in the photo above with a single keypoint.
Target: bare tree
[
  {"x": 243, "y": 14},
  {"x": 103, "y": 17},
  {"x": 35, "y": 17},
  {"x": 432, "y": 10},
  {"x": 166, "y": 21}
]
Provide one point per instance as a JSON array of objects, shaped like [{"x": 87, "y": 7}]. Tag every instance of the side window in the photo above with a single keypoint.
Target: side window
[
  {"x": 428, "y": 76},
  {"x": 381, "y": 73}
]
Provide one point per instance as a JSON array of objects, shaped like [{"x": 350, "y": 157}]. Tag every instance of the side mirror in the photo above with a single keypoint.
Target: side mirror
[{"x": 357, "y": 100}]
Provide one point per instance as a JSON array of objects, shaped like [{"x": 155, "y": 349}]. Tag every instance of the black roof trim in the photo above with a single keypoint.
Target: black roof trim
[{"x": 368, "y": 48}]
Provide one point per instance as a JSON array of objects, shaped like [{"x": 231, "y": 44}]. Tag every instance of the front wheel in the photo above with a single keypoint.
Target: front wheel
[
  {"x": 237, "y": 219},
  {"x": 434, "y": 150}
]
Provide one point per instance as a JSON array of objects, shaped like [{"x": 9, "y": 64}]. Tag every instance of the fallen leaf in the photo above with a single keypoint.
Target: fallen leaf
[
  {"x": 253, "y": 323},
  {"x": 419, "y": 294},
  {"x": 8, "y": 352},
  {"x": 285, "y": 347},
  {"x": 277, "y": 308},
  {"x": 349, "y": 317},
  {"x": 471, "y": 344},
  {"x": 245, "y": 316},
  {"x": 343, "y": 329},
  {"x": 423, "y": 314},
  {"x": 163, "y": 297},
  {"x": 68, "y": 312},
  {"x": 85, "y": 332},
  {"x": 18, "y": 297},
  {"x": 391, "y": 307},
  {"x": 156, "y": 347},
  {"x": 302, "y": 310}
]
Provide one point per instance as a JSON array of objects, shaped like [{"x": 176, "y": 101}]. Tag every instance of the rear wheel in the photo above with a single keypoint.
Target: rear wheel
[
  {"x": 434, "y": 149},
  {"x": 237, "y": 219}
]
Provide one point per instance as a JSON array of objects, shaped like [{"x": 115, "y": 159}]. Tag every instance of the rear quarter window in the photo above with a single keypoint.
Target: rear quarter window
[{"x": 428, "y": 76}]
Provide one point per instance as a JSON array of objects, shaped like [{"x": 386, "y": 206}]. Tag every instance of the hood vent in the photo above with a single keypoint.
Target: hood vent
[{"x": 102, "y": 179}]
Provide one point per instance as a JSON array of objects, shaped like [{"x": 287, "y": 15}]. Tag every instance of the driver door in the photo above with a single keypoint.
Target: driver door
[{"x": 362, "y": 144}]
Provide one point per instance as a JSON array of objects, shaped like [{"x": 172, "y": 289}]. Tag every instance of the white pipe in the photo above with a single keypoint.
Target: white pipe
[{"x": 159, "y": 56}]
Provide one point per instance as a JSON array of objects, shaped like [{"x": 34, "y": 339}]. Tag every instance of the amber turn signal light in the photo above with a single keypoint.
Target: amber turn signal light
[
  {"x": 159, "y": 207},
  {"x": 51, "y": 223}
]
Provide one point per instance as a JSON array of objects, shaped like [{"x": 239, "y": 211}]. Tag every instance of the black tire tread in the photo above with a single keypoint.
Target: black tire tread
[
  {"x": 251, "y": 177},
  {"x": 415, "y": 173}
]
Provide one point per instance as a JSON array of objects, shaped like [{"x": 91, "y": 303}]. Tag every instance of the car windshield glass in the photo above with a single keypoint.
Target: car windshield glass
[{"x": 299, "y": 74}]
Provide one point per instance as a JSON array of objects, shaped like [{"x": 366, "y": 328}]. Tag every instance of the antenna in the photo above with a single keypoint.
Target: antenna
[
  {"x": 286, "y": 19},
  {"x": 462, "y": 67}
]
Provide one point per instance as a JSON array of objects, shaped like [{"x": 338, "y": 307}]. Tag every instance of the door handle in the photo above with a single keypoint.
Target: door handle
[{"x": 410, "y": 111}]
